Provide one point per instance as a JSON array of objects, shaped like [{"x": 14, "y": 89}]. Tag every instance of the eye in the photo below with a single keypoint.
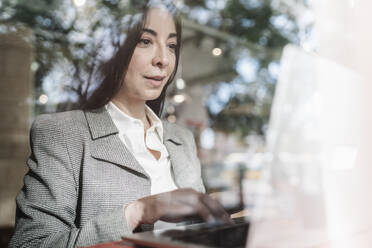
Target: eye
[
  {"x": 172, "y": 46},
  {"x": 144, "y": 42}
]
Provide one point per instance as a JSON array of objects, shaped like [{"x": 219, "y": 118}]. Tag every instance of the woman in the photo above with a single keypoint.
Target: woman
[{"x": 103, "y": 172}]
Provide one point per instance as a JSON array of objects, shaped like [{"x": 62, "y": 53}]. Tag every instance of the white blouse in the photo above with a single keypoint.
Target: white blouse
[{"x": 132, "y": 133}]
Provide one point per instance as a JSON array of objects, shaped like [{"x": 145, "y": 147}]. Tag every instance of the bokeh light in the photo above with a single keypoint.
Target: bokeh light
[
  {"x": 79, "y": 3},
  {"x": 179, "y": 98},
  {"x": 180, "y": 84},
  {"x": 217, "y": 51},
  {"x": 43, "y": 99}
]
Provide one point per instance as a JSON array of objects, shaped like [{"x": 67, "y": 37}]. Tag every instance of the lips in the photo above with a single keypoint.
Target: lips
[{"x": 155, "y": 80}]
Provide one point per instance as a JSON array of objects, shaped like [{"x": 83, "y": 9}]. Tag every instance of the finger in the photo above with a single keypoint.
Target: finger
[
  {"x": 193, "y": 199},
  {"x": 180, "y": 204},
  {"x": 204, "y": 212},
  {"x": 216, "y": 208},
  {"x": 215, "y": 195},
  {"x": 213, "y": 207}
]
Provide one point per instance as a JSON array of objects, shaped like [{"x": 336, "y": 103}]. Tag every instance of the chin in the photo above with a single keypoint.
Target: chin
[{"x": 152, "y": 97}]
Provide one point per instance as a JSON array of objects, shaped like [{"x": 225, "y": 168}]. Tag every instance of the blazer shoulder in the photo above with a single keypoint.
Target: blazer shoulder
[
  {"x": 69, "y": 124},
  {"x": 73, "y": 118},
  {"x": 61, "y": 133},
  {"x": 175, "y": 128},
  {"x": 177, "y": 133}
]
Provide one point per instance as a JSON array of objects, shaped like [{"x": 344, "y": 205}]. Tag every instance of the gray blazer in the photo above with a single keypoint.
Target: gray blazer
[{"x": 81, "y": 176}]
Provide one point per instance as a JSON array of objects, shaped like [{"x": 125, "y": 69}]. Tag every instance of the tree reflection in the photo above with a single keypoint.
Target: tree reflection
[{"x": 74, "y": 41}]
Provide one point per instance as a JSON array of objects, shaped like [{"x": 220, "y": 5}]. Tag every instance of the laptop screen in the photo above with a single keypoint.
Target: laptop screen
[{"x": 316, "y": 173}]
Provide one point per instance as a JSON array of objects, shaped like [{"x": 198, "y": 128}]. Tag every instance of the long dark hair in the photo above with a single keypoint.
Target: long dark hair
[{"x": 113, "y": 71}]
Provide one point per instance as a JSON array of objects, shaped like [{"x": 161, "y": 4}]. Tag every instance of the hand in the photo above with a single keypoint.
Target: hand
[{"x": 175, "y": 206}]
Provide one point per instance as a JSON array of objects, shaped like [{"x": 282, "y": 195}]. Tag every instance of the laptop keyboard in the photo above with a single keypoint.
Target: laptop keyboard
[{"x": 227, "y": 235}]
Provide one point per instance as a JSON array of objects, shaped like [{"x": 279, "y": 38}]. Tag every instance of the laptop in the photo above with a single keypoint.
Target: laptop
[
  {"x": 318, "y": 177},
  {"x": 201, "y": 235},
  {"x": 320, "y": 171}
]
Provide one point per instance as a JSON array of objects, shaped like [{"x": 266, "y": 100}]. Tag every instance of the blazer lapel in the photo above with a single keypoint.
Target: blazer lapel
[
  {"x": 175, "y": 149},
  {"x": 106, "y": 144}
]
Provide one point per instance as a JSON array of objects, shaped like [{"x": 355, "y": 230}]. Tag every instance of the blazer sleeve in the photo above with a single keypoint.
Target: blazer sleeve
[
  {"x": 46, "y": 205},
  {"x": 199, "y": 185}
]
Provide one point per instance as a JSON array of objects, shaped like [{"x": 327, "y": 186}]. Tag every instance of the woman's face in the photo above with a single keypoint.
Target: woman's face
[{"x": 153, "y": 59}]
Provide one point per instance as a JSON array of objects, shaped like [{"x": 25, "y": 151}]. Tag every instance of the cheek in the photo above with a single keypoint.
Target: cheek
[
  {"x": 133, "y": 66},
  {"x": 137, "y": 61},
  {"x": 130, "y": 78},
  {"x": 133, "y": 71},
  {"x": 172, "y": 63}
]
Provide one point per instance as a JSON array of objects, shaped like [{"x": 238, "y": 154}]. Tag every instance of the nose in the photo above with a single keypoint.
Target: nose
[{"x": 161, "y": 58}]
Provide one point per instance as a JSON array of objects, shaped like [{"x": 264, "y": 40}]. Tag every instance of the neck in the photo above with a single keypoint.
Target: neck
[{"x": 134, "y": 109}]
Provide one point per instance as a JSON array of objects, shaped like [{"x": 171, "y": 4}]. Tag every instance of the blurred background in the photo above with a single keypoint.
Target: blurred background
[{"x": 50, "y": 51}]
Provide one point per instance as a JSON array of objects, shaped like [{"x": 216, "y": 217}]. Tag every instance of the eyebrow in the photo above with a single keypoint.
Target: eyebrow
[{"x": 154, "y": 33}]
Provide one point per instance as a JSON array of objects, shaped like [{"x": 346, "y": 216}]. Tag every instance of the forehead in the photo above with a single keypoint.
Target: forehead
[{"x": 160, "y": 19}]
